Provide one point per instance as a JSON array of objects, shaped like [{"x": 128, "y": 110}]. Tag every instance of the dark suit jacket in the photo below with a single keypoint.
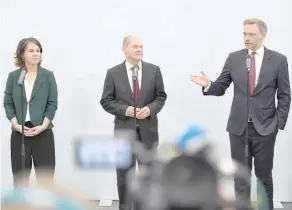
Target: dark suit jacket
[
  {"x": 273, "y": 78},
  {"x": 43, "y": 102},
  {"x": 117, "y": 96}
]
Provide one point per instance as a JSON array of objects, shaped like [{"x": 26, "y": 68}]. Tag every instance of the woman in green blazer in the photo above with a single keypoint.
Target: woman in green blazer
[{"x": 40, "y": 99}]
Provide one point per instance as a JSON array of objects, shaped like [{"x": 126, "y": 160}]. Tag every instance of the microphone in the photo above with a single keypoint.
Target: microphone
[
  {"x": 248, "y": 67},
  {"x": 20, "y": 82},
  {"x": 22, "y": 76},
  {"x": 135, "y": 72},
  {"x": 248, "y": 62}
]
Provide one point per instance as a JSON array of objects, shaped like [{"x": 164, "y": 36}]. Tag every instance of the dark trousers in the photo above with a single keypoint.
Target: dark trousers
[
  {"x": 261, "y": 148},
  {"x": 125, "y": 202},
  {"x": 39, "y": 150}
]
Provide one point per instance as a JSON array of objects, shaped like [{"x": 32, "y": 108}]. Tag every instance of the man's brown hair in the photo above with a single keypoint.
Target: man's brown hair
[{"x": 261, "y": 24}]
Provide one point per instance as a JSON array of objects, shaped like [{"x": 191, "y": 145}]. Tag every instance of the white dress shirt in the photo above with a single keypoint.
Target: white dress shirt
[
  {"x": 130, "y": 73},
  {"x": 28, "y": 91},
  {"x": 258, "y": 61}
]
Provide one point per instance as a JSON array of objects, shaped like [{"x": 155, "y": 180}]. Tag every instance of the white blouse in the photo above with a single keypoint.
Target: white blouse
[{"x": 28, "y": 91}]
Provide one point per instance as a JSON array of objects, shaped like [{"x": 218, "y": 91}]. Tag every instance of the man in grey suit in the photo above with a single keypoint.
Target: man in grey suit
[
  {"x": 268, "y": 76},
  {"x": 117, "y": 99}
]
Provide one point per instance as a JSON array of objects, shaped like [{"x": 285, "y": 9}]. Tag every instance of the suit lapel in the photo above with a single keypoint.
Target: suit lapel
[
  {"x": 38, "y": 82},
  {"x": 24, "y": 95},
  {"x": 145, "y": 78},
  {"x": 243, "y": 70},
  {"x": 125, "y": 79},
  {"x": 264, "y": 68}
]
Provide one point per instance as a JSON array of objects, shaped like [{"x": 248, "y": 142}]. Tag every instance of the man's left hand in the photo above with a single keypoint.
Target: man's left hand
[{"x": 143, "y": 113}]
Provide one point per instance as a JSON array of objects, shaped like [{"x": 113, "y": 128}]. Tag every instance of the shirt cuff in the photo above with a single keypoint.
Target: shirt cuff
[{"x": 207, "y": 88}]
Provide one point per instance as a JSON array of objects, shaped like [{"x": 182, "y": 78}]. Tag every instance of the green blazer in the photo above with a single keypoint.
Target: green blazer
[{"x": 43, "y": 102}]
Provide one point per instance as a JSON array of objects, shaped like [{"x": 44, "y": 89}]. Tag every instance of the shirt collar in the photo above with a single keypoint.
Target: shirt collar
[
  {"x": 259, "y": 51},
  {"x": 129, "y": 66}
]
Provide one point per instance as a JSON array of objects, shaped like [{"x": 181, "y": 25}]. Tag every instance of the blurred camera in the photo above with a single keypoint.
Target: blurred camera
[{"x": 180, "y": 175}]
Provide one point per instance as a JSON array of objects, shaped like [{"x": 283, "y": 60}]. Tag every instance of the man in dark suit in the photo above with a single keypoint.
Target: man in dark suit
[
  {"x": 268, "y": 76},
  {"x": 117, "y": 99}
]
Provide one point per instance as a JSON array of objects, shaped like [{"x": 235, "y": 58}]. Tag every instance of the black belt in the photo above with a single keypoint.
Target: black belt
[{"x": 28, "y": 124}]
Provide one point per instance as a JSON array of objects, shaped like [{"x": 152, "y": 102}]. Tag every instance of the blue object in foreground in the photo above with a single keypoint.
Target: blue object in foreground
[
  {"x": 39, "y": 198},
  {"x": 193, "y": 132}
]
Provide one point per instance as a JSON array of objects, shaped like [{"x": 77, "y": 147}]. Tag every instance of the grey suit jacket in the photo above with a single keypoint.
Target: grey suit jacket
[
  {"x": 273, "y": 78},
  {"x": 117, "y": 96}
]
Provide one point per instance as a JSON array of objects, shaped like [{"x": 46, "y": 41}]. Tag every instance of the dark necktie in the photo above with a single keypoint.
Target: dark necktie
[
  {"x": 252, "y": 73},
  {"x": 252, "y": 76},
  {"x": 137, "y": 87}
]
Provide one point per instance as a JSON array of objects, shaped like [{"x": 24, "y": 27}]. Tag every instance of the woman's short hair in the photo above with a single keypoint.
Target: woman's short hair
[{"x": 19, "y": 60}]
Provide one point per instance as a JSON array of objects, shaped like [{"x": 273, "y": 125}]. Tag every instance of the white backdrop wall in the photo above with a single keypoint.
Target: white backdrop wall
[{"x": 82, "y": 39}]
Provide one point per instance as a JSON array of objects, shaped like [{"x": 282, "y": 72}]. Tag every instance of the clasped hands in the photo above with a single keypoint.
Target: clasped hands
[
  {"x": 31, "y": 131},
  {"x": 141, "y": 113}
]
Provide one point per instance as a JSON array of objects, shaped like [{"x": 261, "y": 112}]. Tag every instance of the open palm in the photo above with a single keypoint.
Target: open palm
[{"x": 200, "y": 79}]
